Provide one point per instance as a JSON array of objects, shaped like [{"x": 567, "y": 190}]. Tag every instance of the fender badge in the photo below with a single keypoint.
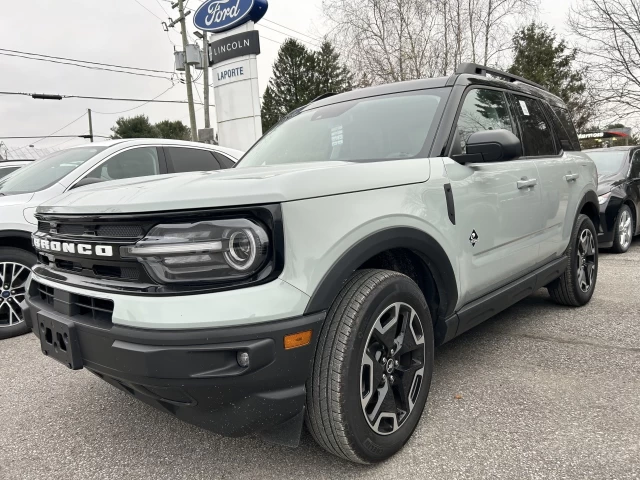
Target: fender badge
[{"x": 473, "y": 239}]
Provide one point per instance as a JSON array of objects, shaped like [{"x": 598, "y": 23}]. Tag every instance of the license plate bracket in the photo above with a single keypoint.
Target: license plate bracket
[{"x": 59, "y": 340}]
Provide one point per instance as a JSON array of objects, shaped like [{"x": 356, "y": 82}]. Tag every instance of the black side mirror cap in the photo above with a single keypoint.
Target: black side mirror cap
[{"x": 491, "y": 146}]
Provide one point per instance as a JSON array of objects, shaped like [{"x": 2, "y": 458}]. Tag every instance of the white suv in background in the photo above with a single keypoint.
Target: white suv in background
[
  {"x": 66, "y": 170},
  {"x": 8, "y": 167}
]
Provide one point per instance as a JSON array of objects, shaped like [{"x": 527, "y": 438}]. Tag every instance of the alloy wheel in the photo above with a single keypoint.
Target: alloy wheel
[
  {"x": 625, "y": 225},
  {"x": 392, "y": 368},
  {"x": 13, "y": 278},
  {"x": 586, "y": 260}
]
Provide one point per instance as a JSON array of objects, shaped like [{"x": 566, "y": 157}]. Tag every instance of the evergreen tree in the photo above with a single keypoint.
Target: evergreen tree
[
  {"x": 330, "y": 74},
  {"x": 540, "y": 58},
  {"x": 299, "y": 76}
]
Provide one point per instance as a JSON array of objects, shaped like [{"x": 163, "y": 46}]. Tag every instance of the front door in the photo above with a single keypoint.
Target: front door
[{"x": 497, "y": 204}]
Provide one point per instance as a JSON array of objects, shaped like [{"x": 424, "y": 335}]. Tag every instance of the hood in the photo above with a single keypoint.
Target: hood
[
  {"x": 14, "y": 199},
  {"x": 237, "y": 186},
  {"x": 607, "y": 181}
]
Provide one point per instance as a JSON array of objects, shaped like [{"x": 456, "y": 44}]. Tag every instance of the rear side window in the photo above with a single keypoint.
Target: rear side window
[
  {"x": 564, "y": 117},
  {"x": 483, "y": 109},
  {"x": 224, "y": 161},
  {"x": 133, "y": 163},
  {"x": 192, "y": 160},
  {"x": 537, "y": 136}
]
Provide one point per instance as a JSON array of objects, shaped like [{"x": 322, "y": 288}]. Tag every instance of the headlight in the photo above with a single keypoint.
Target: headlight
[
  {"x": 208, "y": 251},
  {"x": 602, "y": 199}
]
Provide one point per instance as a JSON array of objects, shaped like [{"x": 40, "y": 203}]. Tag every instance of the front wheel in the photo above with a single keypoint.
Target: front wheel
[
  {"x": 372, "y": 368},
  {"x": 576, "y": 285},
  {"x": 624, "y": 229},
  {"x": 15, "y": 266}
]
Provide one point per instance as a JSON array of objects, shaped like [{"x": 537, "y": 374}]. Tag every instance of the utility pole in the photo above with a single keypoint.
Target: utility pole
[
  {"x": 90, "y": 125},
  {"x": 205, "y": 45},
  {"x": 187, "y": 69}
]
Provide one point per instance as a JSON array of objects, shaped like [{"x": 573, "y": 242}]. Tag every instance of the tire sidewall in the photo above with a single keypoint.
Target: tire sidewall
[
  {"x": 368, "y": 444},
  {"x": 616, "y": 231},
  {"x": 22, "y": 257},
  {"x": 583, "y": 223}
]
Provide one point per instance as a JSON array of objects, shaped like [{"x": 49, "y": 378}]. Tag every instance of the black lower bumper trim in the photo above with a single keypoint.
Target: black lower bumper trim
[{"x": 195, "y": 375}]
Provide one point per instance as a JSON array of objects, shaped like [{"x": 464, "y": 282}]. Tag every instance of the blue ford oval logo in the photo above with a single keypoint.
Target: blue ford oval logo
[
  {"x": 221, "y": 15},
  {"x": 6, "y": 294}
]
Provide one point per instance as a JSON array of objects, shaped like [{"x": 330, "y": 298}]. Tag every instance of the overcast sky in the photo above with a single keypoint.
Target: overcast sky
[{"x": 122, "y": 32}]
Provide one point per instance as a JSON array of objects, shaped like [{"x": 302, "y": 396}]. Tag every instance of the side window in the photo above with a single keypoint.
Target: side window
[
  {"x": 192, "y": 160},
  {"x": 537, "y": 139},
  {"x": 635, "y": 165},
  {"x": 4, "y": 171},
  {"x": 225, "y": 162},
  {"x": 137, "y": 162},
  {"x": 565, "y": 117},
  {"x": 482, "y": 110}
]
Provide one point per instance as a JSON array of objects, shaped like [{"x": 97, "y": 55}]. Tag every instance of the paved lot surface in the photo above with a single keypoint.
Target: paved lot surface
[{"x": 547, "y": 392}]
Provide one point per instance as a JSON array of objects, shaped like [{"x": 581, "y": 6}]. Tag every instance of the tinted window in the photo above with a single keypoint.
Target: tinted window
[
  {"x": 481, "y": 110},
  {"x": 225, "y": 162},
  {"x": 537, "y": 139},
  {"x": 635, "y": 165},
  {"x": 47, "y": 171},
  {"x": 567, "y": 123},
  {"x": 608, "y": 161},
  {"x": 192, "y": 160},
  {"x": 384, "y": 127},
  {"x": 137, "y": 162},
  {"x": 4, "y": 171}
]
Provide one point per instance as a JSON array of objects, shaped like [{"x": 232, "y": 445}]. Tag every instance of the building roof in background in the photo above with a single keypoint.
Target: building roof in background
[{"x": 24, "y": 153}]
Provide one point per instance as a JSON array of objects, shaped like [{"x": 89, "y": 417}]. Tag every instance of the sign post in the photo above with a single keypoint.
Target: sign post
[{"x": 232, "y": 53}]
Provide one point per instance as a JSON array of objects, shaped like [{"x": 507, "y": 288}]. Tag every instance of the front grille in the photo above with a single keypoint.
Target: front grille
[
  {"x": 92, "y": 309},
  {"x": 131, "y": 273},
  {"x": 100, "y": 230},
  {"x": 120, "y": 231},
  {"x": 71, "y": 229}
]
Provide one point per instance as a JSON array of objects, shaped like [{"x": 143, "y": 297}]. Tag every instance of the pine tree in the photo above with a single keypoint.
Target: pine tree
[
  {"x": 540, "y": 58},
  {"x": 330, "y": 74},
  {"x": 134, "y": 127},
  {"x": 292, "y": 84}
]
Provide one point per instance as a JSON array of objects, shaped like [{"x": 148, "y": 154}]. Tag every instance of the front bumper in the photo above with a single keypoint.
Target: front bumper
[
  {"x": 608, "y": 214},
  {"x": 194, "y": 374}
]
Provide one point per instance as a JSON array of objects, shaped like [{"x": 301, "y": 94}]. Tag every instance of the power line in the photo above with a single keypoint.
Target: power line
[
  {"x": 149, "y": 10},
  {"x": 84, "y": 66},
  {"x": 101, "y": 98},
  {"x": 84, "y": 61},
  {"x": 292, "y": 36},
  {"x": 70, "y": 123},
  {"x": 317, "y": 39},
  {"x": 142, "y": 105}
]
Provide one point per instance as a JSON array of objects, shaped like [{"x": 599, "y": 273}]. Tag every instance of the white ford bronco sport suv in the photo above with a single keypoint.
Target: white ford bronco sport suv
[{"x": 313, "y": 280}]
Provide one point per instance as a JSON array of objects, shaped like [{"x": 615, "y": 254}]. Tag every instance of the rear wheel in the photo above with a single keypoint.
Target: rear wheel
[
  {"x": 15, "y": 266},
  {"x": 576, "y": 285},
  {"x": 372, "y": 369},
  {"x": 624, "y": 229}
]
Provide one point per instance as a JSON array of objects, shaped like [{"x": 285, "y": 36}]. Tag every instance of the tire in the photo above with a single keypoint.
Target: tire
[
  {"x": 340, "y": 411},
  {"x": 15, "y": 265},
  {"x": 623, "y": 230},
  {"x": 573, "y": 288}
]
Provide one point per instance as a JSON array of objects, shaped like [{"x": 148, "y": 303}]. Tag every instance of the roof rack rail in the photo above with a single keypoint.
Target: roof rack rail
[
  {"x": 323, "y": 96},
  {"x": 475, "y": 69}
]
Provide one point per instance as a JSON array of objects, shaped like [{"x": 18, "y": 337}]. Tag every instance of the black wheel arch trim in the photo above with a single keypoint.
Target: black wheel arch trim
[
  {"x": 592, "y": 198},
  {"x": 15, "y": 233},
  {"x": 421, "y": 243}
]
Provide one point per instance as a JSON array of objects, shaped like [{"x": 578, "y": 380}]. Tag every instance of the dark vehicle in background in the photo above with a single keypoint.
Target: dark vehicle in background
[{"x": 618, "y": 195}]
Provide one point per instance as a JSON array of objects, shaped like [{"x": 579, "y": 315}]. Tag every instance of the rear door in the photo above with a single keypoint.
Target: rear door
[
  {"x": 497, "y": 204},
  {"x": 558, "y": 173}
]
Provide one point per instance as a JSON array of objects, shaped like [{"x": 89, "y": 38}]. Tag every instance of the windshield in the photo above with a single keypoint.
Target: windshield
[
  {"x": 49, "y": 170},
  {"x": 608, "y": 162},
  {"x": 368, "y": 129}
]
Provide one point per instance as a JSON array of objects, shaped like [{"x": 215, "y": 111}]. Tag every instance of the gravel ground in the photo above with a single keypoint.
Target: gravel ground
[{"x": 546, "y": 392}]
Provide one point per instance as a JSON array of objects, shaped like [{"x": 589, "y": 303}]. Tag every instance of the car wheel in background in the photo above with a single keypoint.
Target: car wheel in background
[
  {"x": 624, "y": 228},
  {"x": 15, "y": 266}
]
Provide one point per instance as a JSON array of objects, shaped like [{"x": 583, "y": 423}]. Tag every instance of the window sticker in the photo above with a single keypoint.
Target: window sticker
[
  {"x": 524, "y": 108},
  {"x": 337, "y": 138}
]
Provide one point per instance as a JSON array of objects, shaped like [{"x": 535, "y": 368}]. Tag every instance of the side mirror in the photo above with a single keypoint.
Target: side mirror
[
  {"x": 87, "y": 181},
  {"x": 491, "y": 146}
]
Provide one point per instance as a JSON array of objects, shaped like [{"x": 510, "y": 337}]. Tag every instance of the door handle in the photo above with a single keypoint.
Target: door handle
[
  {"x": 571, "y": 177},
  {"x": 527, "y": 183}
]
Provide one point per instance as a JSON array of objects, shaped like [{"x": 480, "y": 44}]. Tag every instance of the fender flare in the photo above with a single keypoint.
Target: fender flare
[
  {"x": 15, "y": 233},
  {"x": 592, "y": 198},
  {"x": 413, "y": 239}
]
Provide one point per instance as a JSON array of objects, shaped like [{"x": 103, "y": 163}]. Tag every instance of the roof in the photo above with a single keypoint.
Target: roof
[
  {"x": 517, "y": 84},
  {"x": 236, "y": 154}
]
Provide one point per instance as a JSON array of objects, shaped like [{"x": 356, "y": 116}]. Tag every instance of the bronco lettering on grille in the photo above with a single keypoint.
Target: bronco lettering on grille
[{"x": 48, "y": 245}]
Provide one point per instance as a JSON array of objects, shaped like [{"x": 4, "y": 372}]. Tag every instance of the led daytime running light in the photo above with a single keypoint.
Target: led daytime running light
[{"x": 175, "y": 249}]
